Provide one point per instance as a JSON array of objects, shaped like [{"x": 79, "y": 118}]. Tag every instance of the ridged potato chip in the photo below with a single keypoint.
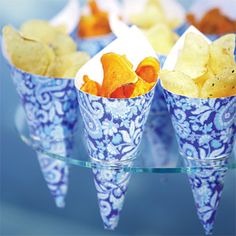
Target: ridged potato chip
[
  {"x": 194, "y": 56},
  {"x": 117, "y": 73},
  {"x": 222, "y": 85},
  {"x": 179, "y": 83},
  {"x": 222, "y": 53},
  {"x": 27, "y": 54}
]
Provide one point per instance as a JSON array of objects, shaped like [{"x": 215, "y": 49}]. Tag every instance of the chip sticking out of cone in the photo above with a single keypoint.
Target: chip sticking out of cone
[
  {"x": 115, "y": 91},
  {"x": 199, "y": 87}
]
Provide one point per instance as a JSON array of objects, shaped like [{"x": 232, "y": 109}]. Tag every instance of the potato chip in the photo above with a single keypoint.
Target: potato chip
[
  {"x": 161, "y": 37},
  {"x": 63, "y": 44},
  {"x": 117, "y": 73},
  {"x": 38, "y": 30},
  {"x": 148, "y": 69},
  {"x": 96, "y": 24},
  {"x": 222, "y": 53},
  {"x": 151, "y": 15},
  {"x": 202, "y": 79},
  {"x": 123, "y": 92},
  {"x": 142, "y": 87},
  {"x": 222, "y": 85},
  {"x": 42, "y": 31},
  {"x": 90, "y": 86},
  {"x": 26, "y": 54},
  {"x": 179, "y": 83},
  {"x": 194, "y": 56},
  {"x": 66, "y": 66}
]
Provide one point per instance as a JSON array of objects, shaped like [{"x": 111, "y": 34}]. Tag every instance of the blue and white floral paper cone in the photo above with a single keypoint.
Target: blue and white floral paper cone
[
  {"x": 111, "y": 186},
  {"x": 51, "y": 109},
  {"x": 56, "y": 172},
  {"x": 205, "y": 128},
  {"x": 114, "y": 127},
  {"x": 207, "y": 186}
]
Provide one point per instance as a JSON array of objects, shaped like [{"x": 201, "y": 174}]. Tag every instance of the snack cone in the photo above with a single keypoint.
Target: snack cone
[
  {"x": 207, "y": 185},
  {"x": 51, "y": 107},
  {"x": 113, "y": 126},
  {"x": 205, "y": 128}
]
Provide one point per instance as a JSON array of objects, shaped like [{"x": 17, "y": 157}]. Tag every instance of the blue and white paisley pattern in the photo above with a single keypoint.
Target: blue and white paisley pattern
[
  {"x": 94, "y": 44},
  {"x": 51, "y": 110},
  {"x": 50, "y": 105},
  {"x": 114, "y": 127},
  {"x": 205, "y": 128},
  {"x": 111, "y": 186},
  {"x": 207, "y": 186}
]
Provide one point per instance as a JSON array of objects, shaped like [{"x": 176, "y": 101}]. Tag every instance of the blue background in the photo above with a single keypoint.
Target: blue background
[{"x": 155, "y": 204}]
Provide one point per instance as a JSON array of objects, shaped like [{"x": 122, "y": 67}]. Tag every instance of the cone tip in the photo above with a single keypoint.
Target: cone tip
[
  {"x": 208, "y": 229},
  {"x": 60, "y": 202}
]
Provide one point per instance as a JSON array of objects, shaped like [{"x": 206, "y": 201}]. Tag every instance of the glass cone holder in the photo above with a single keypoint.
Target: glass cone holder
[{"x": 153, "y": 157}]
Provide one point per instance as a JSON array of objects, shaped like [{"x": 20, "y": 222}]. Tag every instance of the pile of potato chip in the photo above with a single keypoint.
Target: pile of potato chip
[
  {"x": 42, "y": 49},
  {"x": 157, "y": 28},
  {"x": 95, "y": 24},
  {"x": 120, "y": 80},
  {"x": 203, "y": 70}
]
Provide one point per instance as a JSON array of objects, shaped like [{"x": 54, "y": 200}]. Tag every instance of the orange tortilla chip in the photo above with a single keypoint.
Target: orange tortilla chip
[
  {"x": 148, "y": 69},
  {"x": 90, "y": 86},
  {"x": 117, "y": 73},
  {"x": 142, "y": 87}
]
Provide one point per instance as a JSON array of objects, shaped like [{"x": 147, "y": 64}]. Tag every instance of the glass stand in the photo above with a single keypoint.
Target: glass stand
[{"x": 155, "y": 155}]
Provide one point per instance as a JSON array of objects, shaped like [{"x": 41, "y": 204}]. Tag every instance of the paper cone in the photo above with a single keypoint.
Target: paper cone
[
  {"x": 114, "y": 127},
  {"x": 56, "y": 172},
  {"x": 207, "y": 185},
  {"x": 51, "y": 108},
  {"x": 111, "y": 186},
  {"x": 94, "y": 45},
  {"x": 205, "y": 128}
]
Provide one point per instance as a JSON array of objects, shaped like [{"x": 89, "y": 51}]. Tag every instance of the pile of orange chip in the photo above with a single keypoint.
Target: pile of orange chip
[
  {"x": 120, "y": 80},
  {"x": 213, "y": 22},
  {"x": 95, "y": 24}
]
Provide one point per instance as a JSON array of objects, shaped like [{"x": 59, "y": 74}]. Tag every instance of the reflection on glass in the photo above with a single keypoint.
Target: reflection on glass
[{"x": 207, "y": 185}]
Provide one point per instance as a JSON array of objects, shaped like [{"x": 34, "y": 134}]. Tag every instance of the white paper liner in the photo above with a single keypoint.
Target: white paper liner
[
  {"x": 201, "y": 7},
  {"x": 69, "y": 16},
  {"x": 131, "y": 43}
]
